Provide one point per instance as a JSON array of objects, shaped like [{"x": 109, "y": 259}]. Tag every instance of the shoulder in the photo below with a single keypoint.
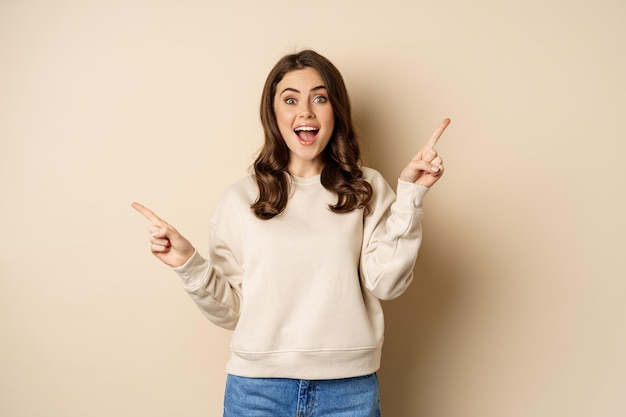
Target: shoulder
[
  {"x": 245, "y": 188},
  {"x": 375, "y": 178},
  {"x": 239, "y": 195}
]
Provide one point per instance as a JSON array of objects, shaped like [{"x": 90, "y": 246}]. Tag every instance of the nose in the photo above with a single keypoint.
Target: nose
[{"x": 306, "y": 112}]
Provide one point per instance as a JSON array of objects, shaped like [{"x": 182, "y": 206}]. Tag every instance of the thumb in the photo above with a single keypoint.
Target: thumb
[{"x": 158, "y": 231}]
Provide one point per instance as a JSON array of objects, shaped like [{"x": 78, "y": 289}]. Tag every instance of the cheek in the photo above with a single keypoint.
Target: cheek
[
  {"x": 329, "y": 115},
  {"x": 282, "y": 116},
  {"x": 331, "y": 121},
  {"x": 283, "y": 124}
]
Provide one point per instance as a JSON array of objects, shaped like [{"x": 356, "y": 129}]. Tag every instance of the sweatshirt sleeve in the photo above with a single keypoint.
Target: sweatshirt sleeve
[
  {"x": 392, "y": 237},
  {"x": 214, "y": 283}
]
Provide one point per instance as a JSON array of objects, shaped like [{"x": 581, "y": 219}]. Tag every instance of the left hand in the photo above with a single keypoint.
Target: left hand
[{"x": 426, "y": 167}]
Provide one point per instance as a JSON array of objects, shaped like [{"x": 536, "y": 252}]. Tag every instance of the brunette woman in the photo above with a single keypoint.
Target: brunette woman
[{"x": 303, "y": 250}]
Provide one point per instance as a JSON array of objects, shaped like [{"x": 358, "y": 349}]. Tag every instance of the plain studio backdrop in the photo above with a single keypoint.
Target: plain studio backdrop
[{"x": 518, "y": 307}]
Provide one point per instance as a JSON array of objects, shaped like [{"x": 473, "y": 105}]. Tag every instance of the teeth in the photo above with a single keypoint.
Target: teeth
[{"x": 305, "y": 129}]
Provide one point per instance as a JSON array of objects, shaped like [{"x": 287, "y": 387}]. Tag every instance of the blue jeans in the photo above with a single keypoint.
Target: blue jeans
[{"x": 280, "y": 397}]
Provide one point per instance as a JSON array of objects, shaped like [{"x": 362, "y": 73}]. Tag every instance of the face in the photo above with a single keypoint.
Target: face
[{"x": 305, "y": 118}]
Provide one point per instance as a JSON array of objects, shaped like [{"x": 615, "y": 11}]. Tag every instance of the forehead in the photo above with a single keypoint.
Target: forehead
[{"x": 301, "y": 80}]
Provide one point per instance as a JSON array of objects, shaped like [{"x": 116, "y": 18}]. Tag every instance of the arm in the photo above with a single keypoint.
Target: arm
[
  {"x": 212, "y": 284},
  {"x": 392, "y": 236},
  {"x": 393, "y": 232}
]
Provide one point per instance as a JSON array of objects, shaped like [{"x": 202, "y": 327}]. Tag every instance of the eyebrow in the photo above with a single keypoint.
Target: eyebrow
[{"x": 319, "y": 87}]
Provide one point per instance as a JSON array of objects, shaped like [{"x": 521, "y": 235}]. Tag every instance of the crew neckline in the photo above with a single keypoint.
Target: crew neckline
[{"x": 315, "y": 179}]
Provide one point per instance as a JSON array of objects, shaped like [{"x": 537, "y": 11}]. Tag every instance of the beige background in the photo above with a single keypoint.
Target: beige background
[{"x": 519, "y": 308}]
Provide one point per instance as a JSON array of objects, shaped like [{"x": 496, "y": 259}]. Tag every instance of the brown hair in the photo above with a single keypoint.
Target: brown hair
[{"x": 341, "y": 172}]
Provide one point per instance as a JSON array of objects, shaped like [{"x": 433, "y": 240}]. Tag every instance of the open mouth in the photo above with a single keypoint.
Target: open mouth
[{"x": 306, "y": 134}]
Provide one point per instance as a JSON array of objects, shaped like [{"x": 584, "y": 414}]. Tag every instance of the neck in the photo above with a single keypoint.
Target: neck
[{"x": 305, "y": 170}]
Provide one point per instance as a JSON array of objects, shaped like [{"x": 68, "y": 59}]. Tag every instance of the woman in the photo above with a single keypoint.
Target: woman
[{"x": 303, "y": 250}]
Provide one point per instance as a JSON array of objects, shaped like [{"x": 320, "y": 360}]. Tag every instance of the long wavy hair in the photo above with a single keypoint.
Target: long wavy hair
[{"x": 341, "y": 172}]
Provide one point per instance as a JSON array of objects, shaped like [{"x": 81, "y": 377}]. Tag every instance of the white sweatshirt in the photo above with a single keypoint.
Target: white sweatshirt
[{"x": 302, "y": 290}]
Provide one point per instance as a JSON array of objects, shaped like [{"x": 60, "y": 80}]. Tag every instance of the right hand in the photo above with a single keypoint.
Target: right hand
[{"x": 169, "y": 246}]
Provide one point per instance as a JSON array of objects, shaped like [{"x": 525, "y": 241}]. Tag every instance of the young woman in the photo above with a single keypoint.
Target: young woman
[{"x": 302, "y": 251}]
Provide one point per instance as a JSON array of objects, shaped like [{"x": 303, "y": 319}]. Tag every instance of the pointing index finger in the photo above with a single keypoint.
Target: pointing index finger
[
  {"x": 437, "y": 134},
  {"x": 147, "y": 213}
]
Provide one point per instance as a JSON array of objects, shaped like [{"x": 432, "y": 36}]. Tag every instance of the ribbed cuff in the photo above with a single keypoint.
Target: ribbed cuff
[
  {"x": 410, "y": 195},
  {"x": 193, "y": 272}
]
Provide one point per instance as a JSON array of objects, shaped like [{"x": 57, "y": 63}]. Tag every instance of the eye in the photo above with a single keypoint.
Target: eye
[
  {"x": 290, "y": 100},
  {"x": 320, "y": 99}
]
